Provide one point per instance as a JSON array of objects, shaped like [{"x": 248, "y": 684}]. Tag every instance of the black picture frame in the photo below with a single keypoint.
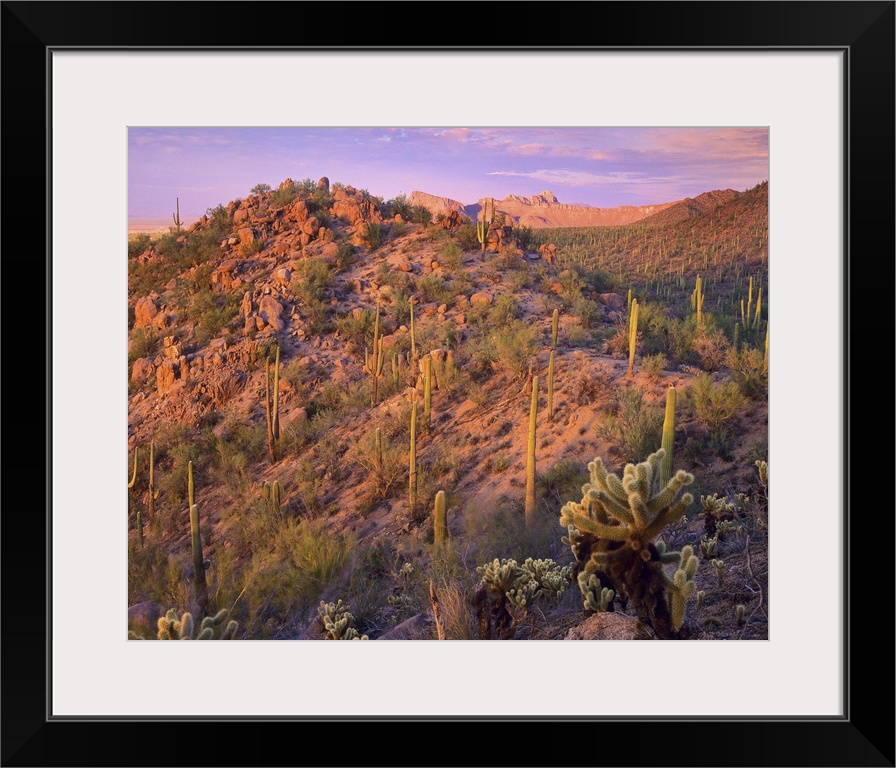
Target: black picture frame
[{"x": 864, "y": 736}]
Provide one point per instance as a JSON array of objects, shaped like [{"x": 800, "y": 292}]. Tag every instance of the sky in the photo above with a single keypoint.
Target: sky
[{"x": 601, "y": 167}]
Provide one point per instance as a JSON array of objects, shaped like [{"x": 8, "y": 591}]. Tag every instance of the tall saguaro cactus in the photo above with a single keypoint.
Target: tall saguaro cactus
[
  {"x": 697, "y": 301},
  {"x": 176, "y": 215},
  {"x": 153, "y": 493},
  {"x": 131, "y": 484},
  {"x": 412, "y": 461},
  {"x": 427, "y": 394},
  {"x": 668, "y": 443},
  {"x": 555, "y": 327},
  {"x": 199, "y": 586},
  {"x": 373, "y": 364},
  {"x": 530, "y": 457},
  {"x": 440, "y": 519},
  {"x": 272, "y": 404},
  {"x": 632, "y": 337},
  {"x": 551, "y": 387},
  {"x": 483, "y": 226}
]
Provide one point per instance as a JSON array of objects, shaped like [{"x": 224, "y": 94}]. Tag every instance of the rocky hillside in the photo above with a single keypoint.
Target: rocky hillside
[{"x": 313, "y": 367}]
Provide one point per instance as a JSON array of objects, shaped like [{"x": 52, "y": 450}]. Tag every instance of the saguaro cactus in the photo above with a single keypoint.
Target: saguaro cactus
[
  {"x": 176, "y": 215},
  {"x": 133, "y": 479},
  {"x": 632, "y": 337},
  {"x": 555, "y": 327},
  {"x": 412, "y": 461},
  {"x": 131, "y": 484},
  {"x": 440, "y": 519},
  {"x": 199, "y": 586},
  {"x": 272, "y": 404},
  {"x": 551, "y": 387},
  {"x": 697, "y": 301},
  {"x": 153, "y": 493},
  {"x": 530, "y": 457},
  {"x": 427, "y": 394},
  {"x": 668, "y": 443},
  {"x": 373, "y": 364},
  {"x": 483, "y": 226},
  {"x": 413, "y": 335}
]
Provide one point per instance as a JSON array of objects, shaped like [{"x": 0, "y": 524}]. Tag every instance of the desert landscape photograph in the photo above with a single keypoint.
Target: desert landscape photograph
[{"x": 448, "y": 383}]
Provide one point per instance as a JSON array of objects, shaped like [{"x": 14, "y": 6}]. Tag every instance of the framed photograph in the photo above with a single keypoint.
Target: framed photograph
[{"x": 814, "y": 81}]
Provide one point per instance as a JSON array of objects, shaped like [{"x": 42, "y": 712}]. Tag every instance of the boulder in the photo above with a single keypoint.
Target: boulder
[
  {"x": 611, "y": 626},
  {"x": 144, "y": 311},
  {"x": 612, "y": 300},
  {"x": 142, "y": 369}
]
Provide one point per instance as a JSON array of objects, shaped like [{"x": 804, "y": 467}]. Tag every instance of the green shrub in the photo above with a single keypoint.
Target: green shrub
[
  {"x": 137, "y": 243},
  {"x": 465, "y": 237},
  {"x": 635, "y": 430},
  {"x": 260, "y": 189},
  {"x": 436, "y": 289},
  {"x": 422, "y": 215},
  {"x": 654, "y": 365},
  {"x": 374, "y": 235},
  {"x": 511, "y": 346},
  {"x": 714, "y": 403},
  {"x": 747, "y": 368}
]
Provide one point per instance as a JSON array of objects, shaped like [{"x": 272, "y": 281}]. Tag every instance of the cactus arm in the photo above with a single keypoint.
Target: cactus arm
[
  {"x": 555, "y": 327},
  {"x": 427, "y": 393}
]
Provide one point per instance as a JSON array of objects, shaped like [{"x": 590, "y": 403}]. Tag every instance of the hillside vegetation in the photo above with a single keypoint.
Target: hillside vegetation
[{"x": 355, "y": 418}]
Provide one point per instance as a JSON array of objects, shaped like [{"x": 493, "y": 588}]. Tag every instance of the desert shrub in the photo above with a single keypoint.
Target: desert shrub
[
  {"x": 711, "y": 349},
  {"x": 714, "y": 403},
  {"x": 511, "y": 346},
  {"x": 398, "y": 205},
  {"x": 635, "y": 430},
  {"x": 586, "y": 310},
  {"x": 561, "y": 481},
  {"x": 595, "y": 388},
  {"x": 137, "y": 243},
  {"x": 524, "y": 238},
  {"x": 465, "y": 237},
  {"x": 312, "y": 280},
  {"x": 234, "y": 451},
  {"x": 284, "y": 196},
  {"x": 308, "y": 489},
  {"x": 422, "y": 215},
  {"x": 386, "y": 467},
  {"x": 436, "y": 289},
  {"x": 144, "y": 342},
  {"x": 503, "y": 312},
  {"x": 617, "y": 343},
  {"x": 345, "y": 255},
  {"x": 253, "y": 247},
  {"x": 517, "y": 279},
  {"x": 747, "y": 368},
  {"x": 654, "y": 365},
  {"x": 374, "y": 235},
  {"x": 260, "y": 189},
  {"x": 452, "y": 255},
  {"x": 576, "y": 336},
  {"x": 357, "y": 331},
  {"x": 500, "y": 532}
]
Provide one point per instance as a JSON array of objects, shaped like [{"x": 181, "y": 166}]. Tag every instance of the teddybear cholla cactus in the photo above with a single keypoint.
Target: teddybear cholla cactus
[
  {"x": 508, "y": 589},
  {"x": 173, "y": 628},
  {"x": 338, "y": 621},
  {"x": 613, "y": 532}
]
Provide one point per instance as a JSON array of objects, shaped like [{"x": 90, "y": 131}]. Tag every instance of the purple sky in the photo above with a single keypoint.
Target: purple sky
[{"x": 603, "y": 167}]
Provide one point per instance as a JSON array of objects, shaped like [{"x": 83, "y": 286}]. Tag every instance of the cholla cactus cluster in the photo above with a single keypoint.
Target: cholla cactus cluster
[
  {"x": 172, "y": 627},
  {"x": 613, "y": 532},
  {"x": 522, "y": 585},
  {"x": 338, "y": 621}
]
